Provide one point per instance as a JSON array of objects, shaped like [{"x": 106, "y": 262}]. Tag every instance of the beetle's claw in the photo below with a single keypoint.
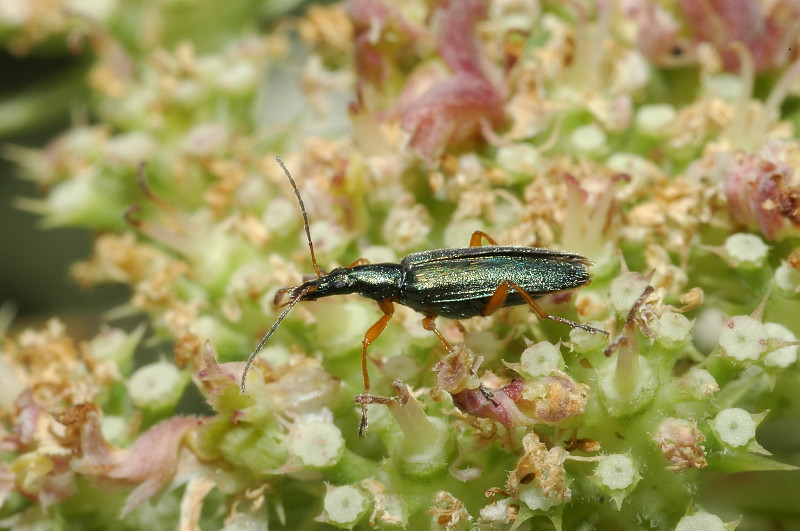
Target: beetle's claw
[
  {"x": 590, "y": 329},
  {"x": 364, "y": 424}
]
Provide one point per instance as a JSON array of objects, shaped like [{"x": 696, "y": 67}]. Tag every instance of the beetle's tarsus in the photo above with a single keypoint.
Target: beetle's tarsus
[
  {"x": 364, "y": 400},
  {"x": 489, "y": 395},
  {"x": 364, "y": 424},
  {"x": 573, "y": 324}
]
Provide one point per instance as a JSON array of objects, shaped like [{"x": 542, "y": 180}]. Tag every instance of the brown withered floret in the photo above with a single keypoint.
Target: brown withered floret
[
  {"x": 448, "y": 511},
  {"x": 327, "y": 29},
  {"x": 542, "y": 466},
  {"x": 762, "y": 191},
  {"x": 564, "y": 398},
  {"x": 118, "y": 258},
  {"x": 73, "y": 419},
  {"x": 220, "y": 196},
  {"x": 456, "y": 371},
  {"x": 794, "y": 259},
  {"x": 550, "y": 400},
  {"x": 681, "y": 443},
  {"x": 48, "y": 360}
]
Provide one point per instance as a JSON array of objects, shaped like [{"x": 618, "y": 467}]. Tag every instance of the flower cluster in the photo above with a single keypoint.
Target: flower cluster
[{"x": 650, "y": 137}]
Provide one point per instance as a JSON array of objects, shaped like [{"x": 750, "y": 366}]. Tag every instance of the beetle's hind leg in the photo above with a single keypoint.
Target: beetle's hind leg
[
  {"x": 372, "y": 334},
  {"x": 499, "y": 296}
]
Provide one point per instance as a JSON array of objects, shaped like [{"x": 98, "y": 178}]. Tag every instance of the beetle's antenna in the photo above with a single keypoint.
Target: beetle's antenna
[
  {"x": 252, "y": 357},
  {"x": 305, "y": 219}
]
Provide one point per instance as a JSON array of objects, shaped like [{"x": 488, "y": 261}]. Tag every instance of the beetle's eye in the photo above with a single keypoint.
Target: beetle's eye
[{"x": 339, "y": 284}]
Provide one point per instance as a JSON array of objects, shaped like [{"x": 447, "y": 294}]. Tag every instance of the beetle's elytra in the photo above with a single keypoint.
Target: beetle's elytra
[{"x": 455, "y": 283}]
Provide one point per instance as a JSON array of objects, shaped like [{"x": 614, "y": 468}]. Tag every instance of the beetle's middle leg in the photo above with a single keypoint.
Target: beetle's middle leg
[
  {"x": 499, "y": 296},
  {"x": 429, "y": 323},
  {"x": 477, "y": 236},
  {"x": 372, "y": 334}
]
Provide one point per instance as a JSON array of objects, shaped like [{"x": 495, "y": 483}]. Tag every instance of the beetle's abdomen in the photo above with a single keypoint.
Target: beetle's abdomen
[{"x": 457, "y": 283}]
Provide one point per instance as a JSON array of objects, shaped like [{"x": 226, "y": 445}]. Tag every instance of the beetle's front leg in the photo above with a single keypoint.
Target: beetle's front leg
[
  {"x": 402, "y": 399},
  {"x": 499, "y": 296},
  {"x": 360, "y": 261},
  {"x": 372, "y": 334}
]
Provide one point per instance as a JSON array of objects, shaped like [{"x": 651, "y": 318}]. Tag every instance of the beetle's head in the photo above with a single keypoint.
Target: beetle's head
[{"x": 337, "y": 282}]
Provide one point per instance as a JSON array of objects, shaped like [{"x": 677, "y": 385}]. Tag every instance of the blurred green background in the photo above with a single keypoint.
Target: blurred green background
[{"x": 39, "y": 98}]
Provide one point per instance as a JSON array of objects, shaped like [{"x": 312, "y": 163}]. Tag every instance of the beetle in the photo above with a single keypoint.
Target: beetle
[{"x": 457, "y": 283}]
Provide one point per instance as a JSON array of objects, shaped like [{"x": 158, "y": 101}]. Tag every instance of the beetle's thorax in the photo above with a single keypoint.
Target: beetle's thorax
[{"x": 373, "y": 281}]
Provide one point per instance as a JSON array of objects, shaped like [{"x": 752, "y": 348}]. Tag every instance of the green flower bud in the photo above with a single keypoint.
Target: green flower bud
[
  {"x": 534, "y": 497},
  {"x": 652, "y": 120},
  {"x": 698, "y": 383},
  {"x": 583, "y": 341},
  {"x": 674, "y": 330},
  {"x": 116, "y": 430},
  {"x": 616, "y": 471},
  {"x": 625, "y": 291},
  {"x": 617, "y": 475},
  {"x": 701, "y": 522},
  {"x": 734, "y": 426},
  {"x": 316, "y": 444},
  {"x": 706, "y": 331},
  {"x": 117, "y": 346},
  {"x": 541, "y": 359},
  {"x": 90, "y": 200},
  {"x": 784, "y": 356},
  {"x": 157, "y": 386},
  {"x": 426, "y": 449},
  {"x": 746, "y": 251},
  {"x": 521, "y": 161},
  {"x": 786, "y": 280},
  {"x": 344, "y": 506},
  {"x": 589, "y": 140},
  {"x": 743, "y": 338}
]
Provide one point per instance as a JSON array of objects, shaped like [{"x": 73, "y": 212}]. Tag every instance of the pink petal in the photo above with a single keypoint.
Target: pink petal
[
  {"x": 766, "y": 204},
  {"x": 765, "y": 35},
  {"x": 450, "y": 112},
  {"x": 454, "y": 109},
  {"x": 7, "y": 482},
  {"x": 153, "y": 459},
  {"x": 501, "y": 408},
  {"x": 738, "y": 189},
  {"x": 458, "y": 44},
  {"x": 98, "y": 457}
]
